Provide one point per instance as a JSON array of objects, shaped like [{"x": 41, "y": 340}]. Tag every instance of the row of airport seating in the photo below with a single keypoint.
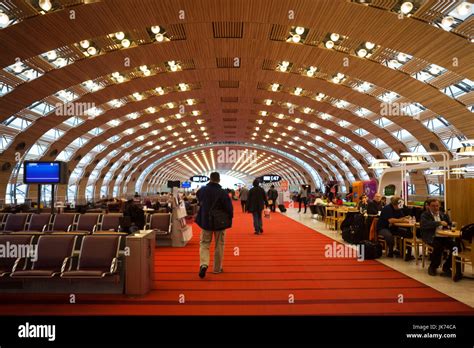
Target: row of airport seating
[
  {"x": 58, "y": 256},
  {"x": 78, "y": 224}
]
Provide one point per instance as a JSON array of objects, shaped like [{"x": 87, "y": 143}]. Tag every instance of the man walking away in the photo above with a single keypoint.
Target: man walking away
[
  {"x": 272, "y": 196},
  {"x": 211, "y": 197},
  {"x": 255, "y": 204},
  {"x": 303, "y": 198},
  {"x": 244, "y": 195}
]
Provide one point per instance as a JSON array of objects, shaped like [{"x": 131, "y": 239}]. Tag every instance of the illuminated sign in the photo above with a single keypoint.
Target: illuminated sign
[
  {"x": 199, "y": 178},
  {"x": 271, "y": 178}
]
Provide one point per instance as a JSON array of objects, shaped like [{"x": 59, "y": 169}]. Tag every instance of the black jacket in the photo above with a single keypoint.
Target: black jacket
[
  {"x": 374, "y": 207},
  {"x": 206, "y": 197},
  {"x": 257, "y": 199},
  {"x": 428, "y": 225},
  {"x": 272, "y": 194}
]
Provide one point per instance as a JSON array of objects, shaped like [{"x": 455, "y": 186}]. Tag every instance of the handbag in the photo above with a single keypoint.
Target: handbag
[{"x": 218, "y": 218}]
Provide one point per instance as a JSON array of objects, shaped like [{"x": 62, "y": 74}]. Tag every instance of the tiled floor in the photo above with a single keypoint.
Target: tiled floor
[{"x": 462, "y": 291}]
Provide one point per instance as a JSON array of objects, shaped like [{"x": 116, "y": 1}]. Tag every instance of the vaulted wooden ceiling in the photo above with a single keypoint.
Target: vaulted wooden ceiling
[{"x": 229, "y": 56}]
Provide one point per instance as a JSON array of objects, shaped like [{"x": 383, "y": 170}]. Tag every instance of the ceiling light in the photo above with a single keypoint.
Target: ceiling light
[
  {"x": 92, "y": 50},
  {"x": 174, "y": 68},
  {"x": 195, "y": 113},
  {"x": 18, "y": 67},
  {"x": 170, "y": 105},
  {"x": 275, "y": 87},
  {"x": 52, "y": 55},
  {"x": 413, "y": 159},
  {"x": 362, "y": 52},
  {"x": 125, "y": 43},
  {"x": 298, "y": 90},
  {"x": 299, "y": 30},
  {"x": 263, "y": 113},
  {"x": 159, "y": 37},
  {"x": 4, "y": 20},
  {"x": 159, "y": 90},
  {"x": 169, "y": 127},
  {"x": 435, "y": 70},
  {"x": 296, "y": 38},
  {"x": 143, "y": 68},
  {"x": 268, "y": 102},
  {"x": 259, "y": 121},
  {"x": 369, "y": 45},
  {"x": 447, "y": 21},
  {"x": 335, "y": 36},
  {"x": 464, "y": 8},
  {"x": 297, "y": 120},
  {"x": 45, "y": 5},
  {"x": 84, "y": 43},
  {"x": 161, "y": 120},
  {"x": 402, "y": 57},
  {"x": 285, "y": 64},
  {"x": 151, "y": 110},
  {"x": 120, "y": 35},
  {"x": 115, "y": 74},
  {"x": 155, "y": 29},
  {"x": 465, "y": 151},
  {"x": 190, "y": 101},
  {"x": 329, "y": 44},
  {"x": 182, "y": 86},
  {"x": 406, "y": 7},
  {"x": 380, "y": 164},
  {"x": 307, "y": 110}
]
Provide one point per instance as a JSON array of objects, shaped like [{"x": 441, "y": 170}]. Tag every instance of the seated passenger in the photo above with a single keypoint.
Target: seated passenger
[
  {"x": 375, "y": 206},
  {"x": 390, "y": 215},
  {"x": 431, "y": 221},
  {"x": 319, "y": 201},
  {"x": 363, "y": 204}
]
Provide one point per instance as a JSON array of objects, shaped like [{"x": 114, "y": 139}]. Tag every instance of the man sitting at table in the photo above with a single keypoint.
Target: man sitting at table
[
  {"x": 375, "y": 205},
  {"x": 392, "y": 214},
  {"x": 431, "y": 220}
]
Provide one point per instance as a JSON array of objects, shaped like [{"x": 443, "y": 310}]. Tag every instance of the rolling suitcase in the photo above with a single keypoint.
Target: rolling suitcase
[{"x": 282, "y": 208}]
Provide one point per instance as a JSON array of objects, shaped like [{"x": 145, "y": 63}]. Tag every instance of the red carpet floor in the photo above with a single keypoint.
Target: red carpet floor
[{"x": 286, "y": 262}]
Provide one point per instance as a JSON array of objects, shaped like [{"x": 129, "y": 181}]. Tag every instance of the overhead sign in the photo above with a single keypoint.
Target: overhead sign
[
  {"x": 199, "y": 178},
  {"x": 271, "y": 178},
  {"x": 185, "y": 184}
]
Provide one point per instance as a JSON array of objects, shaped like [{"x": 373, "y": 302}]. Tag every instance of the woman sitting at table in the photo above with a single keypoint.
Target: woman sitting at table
[
  {"x": 363, "y": 204},
  {"x": 430, "y": 221}
]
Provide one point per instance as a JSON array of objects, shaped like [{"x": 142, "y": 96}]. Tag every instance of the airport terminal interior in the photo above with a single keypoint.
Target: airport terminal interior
[{"x": 236, "y": 157}]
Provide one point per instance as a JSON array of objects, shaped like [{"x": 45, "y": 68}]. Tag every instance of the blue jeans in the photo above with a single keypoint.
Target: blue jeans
[{"x": 257, "y": 221}]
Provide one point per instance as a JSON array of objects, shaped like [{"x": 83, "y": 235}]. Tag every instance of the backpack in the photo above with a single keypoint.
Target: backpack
[
  {"x": 371, "y": 250},
  {"x": 353, "y": 228}
]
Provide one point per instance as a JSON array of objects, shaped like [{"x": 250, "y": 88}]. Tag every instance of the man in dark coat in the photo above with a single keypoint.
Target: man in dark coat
[
  {"x": 207, "y": 196},
  {"x": 430, "y": 221},
  {"x": 272, "y": 196},
  {"x": 256, "y": 202}
]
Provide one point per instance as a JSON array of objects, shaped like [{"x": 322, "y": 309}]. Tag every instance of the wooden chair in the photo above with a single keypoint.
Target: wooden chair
[
  {"x": 414, "y": 243},
  {"x": 464, "y": 257},
  {"x": 426, "y": 249},
  {"x": 330, "y": 219}
]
